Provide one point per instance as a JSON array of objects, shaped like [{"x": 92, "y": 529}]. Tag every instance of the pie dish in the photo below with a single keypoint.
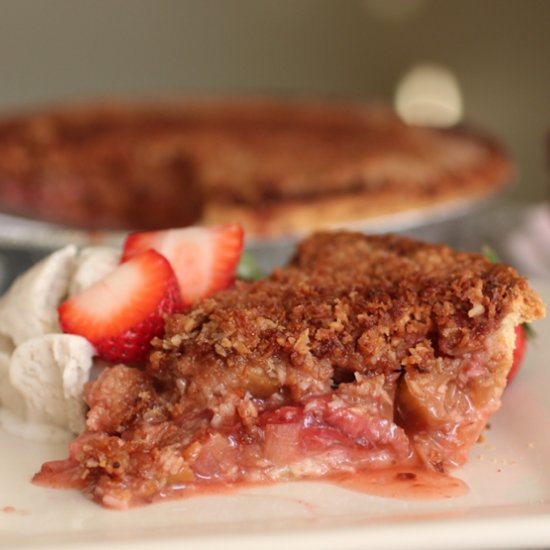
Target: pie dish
[
  {"x": 366, "y": 353},
  {"x": 277, "y": 166}
]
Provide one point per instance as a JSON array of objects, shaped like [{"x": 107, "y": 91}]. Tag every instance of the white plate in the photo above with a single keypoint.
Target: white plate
[{"x": 508, "y": 505}]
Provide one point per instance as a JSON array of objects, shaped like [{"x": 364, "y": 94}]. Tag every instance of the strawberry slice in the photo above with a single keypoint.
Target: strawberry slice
[
  {"x": 204, "y": 259},
  {"x": 122, "y": 312},
  {"x": 519, "y": 351}
]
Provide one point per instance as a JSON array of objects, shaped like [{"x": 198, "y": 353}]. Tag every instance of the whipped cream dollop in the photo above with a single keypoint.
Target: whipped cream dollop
[{"x": 42, "y": 370}]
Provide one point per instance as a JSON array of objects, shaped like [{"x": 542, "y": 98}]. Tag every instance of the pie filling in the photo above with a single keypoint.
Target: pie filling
[{"x": 365, "y": 354}]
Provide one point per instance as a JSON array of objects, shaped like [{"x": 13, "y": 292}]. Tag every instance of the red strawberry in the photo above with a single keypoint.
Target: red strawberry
[
  {"x": 519, "y": 351},
  {"x": 204, "y": 258},
  {"x": 122, "y": 312}
]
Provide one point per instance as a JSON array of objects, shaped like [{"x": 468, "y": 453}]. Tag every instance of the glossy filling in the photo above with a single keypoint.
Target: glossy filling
[{"x": 143, "y": 443}]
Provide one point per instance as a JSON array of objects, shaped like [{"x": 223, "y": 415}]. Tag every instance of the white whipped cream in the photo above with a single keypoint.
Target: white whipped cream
[
  {"x": 47, "y": 376},
  {"x": 42, "y": 371},
  {"x": 29, "y": 307}
]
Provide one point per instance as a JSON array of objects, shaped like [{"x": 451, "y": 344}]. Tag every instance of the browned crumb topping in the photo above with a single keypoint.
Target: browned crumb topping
[{"x": 347, "y": 304}]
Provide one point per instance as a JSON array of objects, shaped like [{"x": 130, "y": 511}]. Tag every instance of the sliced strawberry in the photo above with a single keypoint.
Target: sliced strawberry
[
  {"x": 204, "y": 258},
  {"x": 122, "y": 312},
  {"x": 519, "y": 351}
]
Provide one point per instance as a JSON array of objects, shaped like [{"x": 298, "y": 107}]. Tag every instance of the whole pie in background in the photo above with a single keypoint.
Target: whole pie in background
[{"x": 276, "y": 166}]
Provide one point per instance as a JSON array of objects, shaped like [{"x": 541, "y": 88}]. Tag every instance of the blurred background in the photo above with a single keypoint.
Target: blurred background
[
  {"x": 498, "y": 51},
  {"x": 487, "y": 59}
]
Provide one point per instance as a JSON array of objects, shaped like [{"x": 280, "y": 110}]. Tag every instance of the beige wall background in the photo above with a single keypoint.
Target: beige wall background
[{"x": 499, "y": 50}]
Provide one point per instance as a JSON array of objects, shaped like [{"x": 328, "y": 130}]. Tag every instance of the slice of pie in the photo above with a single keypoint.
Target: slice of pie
[
  {"x": 277, "y": 166},
  {"x": 366, "y": 352}
]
